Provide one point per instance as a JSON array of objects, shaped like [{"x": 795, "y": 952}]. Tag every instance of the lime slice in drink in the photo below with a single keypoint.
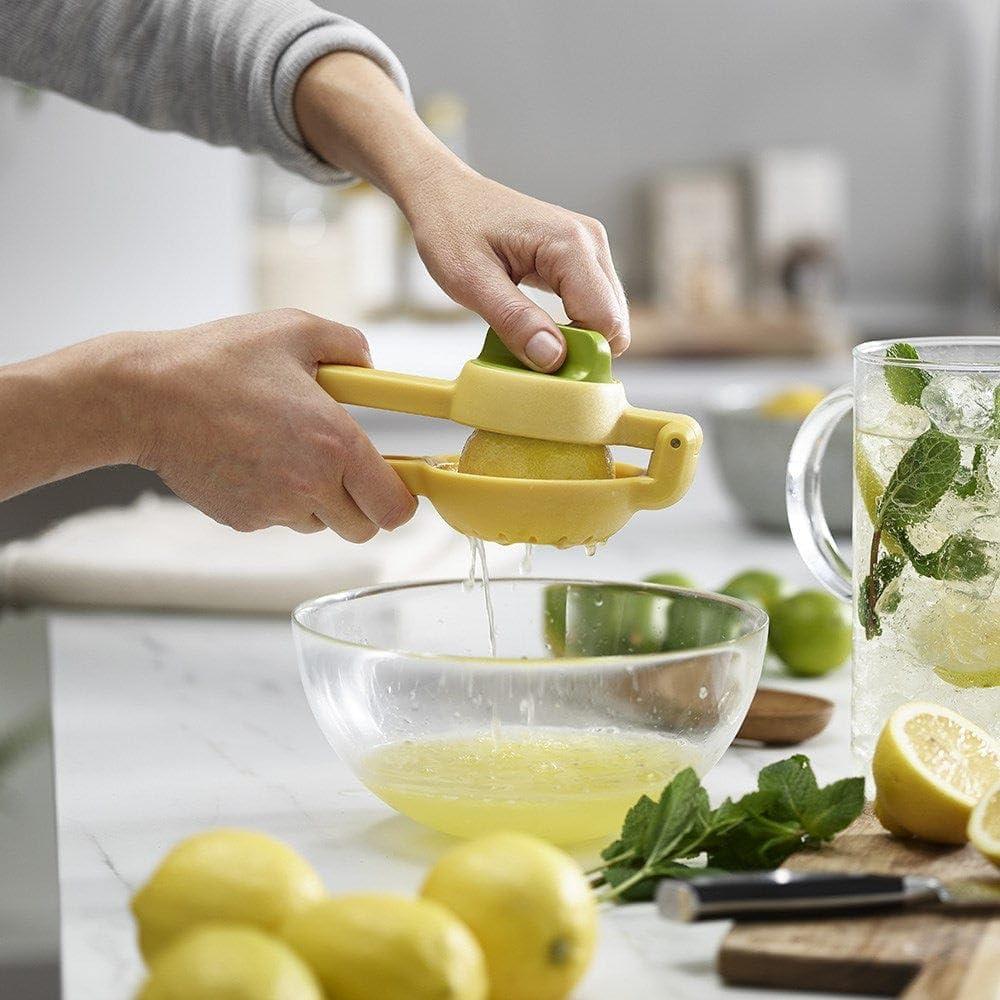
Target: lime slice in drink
[{"x": 959, "y": 639}]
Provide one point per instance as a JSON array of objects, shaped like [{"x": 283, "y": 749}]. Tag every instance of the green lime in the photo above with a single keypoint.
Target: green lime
[
  {"x": 603, "y": 621},
  {"x": 672, "y": 579},
  {"x": 811, "y": 633},
  {"x": 758, "y": 586},
  {"x": 694, "y": 622}
]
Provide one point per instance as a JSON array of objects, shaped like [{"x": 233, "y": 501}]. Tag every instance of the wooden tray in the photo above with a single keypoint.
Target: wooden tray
[{"x": 930, "y": 955}]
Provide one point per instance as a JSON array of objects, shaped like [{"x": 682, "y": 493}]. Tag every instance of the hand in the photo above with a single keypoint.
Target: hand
[
  {"x": 230, "y": 416},
  {"x": 479, "y": 239}
]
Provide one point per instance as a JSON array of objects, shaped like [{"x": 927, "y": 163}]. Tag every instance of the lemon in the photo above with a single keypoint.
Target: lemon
[
  {"x": 229, "y": 876},
  {"x": 810, "y": 633},
  {"x": 221, "y": 962},
  {"x": 376, "y": 946},
  {"x": 931, "y": 766},
  {"x": 489, "y": 454},
  {"x": 528, "y": 905},
  {"x": 794, "y": 403},
  {"x": 870, "y": 488},
  {"x": 984, "y": 824}
]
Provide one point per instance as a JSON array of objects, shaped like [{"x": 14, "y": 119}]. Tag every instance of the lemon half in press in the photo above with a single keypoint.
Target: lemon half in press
[{"x": 510, "y": 457}]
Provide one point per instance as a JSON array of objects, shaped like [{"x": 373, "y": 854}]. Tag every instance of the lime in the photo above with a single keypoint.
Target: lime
[
  {"x": 377, "y": 945},
  {"x": 489, "y": 454},
  {"x": 603, "y": 621},
  {"x": 960, "y": 638},
  {"x": 221, "y": 962},
  {"x": 810, "y": 633},
  {"x": 529, "y": 907},
  {"x": 672, "y": 579},
  {"x": 931, "y": 766},
  {"x": 795, "y": 403},
  {"x": 228, "y": 876},
  {"x": 758, "y": 586}
]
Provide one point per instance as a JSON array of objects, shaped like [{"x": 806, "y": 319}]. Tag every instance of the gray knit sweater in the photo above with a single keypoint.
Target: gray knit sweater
[{"x": 221, "y": 70}]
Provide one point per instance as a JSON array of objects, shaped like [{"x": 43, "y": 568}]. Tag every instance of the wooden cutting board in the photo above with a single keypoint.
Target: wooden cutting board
[{"x": 922, "y": 956}]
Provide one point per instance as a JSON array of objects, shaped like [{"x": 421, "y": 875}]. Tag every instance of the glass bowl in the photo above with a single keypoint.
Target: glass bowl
[{"x": 598, "y": 693}]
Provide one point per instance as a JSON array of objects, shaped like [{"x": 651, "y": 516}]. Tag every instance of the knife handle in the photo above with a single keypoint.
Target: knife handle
[{"x": 782, "y": 893}]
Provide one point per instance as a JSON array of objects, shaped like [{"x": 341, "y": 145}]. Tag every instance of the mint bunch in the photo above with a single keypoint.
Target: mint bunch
[
  {"x": 930, "y": 468},
  {"x": 788, "y": 812}
]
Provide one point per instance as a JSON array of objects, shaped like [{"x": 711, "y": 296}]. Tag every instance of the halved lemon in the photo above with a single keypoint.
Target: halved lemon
[
  {"x": 960, "y": 638},
  {"x": 931, "y": 767},
  {"x": 984, "y": 824},
  {"x": 511, "y": 457}
]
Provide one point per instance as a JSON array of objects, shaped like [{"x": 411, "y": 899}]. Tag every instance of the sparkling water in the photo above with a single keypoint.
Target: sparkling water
[{"x": 940, "y": 628}]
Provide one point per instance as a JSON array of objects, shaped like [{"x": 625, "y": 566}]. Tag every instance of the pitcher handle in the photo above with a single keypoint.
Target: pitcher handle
[{"x": 802, "y": 493}]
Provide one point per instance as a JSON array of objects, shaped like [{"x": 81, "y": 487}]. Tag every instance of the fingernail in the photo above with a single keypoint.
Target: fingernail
[{"x": 543, "y": 350}]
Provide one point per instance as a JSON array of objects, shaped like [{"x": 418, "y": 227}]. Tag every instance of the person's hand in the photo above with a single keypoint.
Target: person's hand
[
  {"x": 230, "y": 416},
  {"x": 480, "y": 240}
]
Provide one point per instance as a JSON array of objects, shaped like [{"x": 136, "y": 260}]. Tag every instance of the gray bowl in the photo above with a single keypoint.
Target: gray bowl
[{"x": 751, "y": 454}]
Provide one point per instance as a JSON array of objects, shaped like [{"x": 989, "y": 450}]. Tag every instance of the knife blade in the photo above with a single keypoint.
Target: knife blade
[{"x": 784, "y": 893}]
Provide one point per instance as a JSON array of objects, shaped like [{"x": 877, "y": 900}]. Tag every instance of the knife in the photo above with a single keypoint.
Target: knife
[{"x": 784, "y": 893}]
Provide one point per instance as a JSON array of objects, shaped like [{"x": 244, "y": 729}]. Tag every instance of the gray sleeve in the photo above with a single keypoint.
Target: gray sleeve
[{"x": 221, "y": 70}]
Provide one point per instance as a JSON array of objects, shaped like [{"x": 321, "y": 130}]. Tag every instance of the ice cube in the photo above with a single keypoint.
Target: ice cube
[{"x": 962, "y": 404}]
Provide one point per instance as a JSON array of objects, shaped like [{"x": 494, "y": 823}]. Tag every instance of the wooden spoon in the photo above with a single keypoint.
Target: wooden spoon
[{"x": 783, "y": 718}]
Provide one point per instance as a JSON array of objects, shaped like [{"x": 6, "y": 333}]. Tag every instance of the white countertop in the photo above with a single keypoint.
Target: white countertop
[{"x": 168, "y": 724}]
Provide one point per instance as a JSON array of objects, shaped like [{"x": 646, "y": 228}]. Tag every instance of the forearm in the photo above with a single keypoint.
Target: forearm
[
  {"x": 221, "y": 70},
  {"x": 351, "y": 114},
  {"x": 65, "y": 413}
]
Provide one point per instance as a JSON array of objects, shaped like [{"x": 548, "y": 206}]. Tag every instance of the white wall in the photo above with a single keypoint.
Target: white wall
[{"x": 107, "y": 226}]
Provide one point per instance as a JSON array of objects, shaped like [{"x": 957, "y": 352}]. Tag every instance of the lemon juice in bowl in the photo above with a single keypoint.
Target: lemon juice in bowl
[
  {"x": 600, "y": 693},
  {"x": 564, "y": 786}
]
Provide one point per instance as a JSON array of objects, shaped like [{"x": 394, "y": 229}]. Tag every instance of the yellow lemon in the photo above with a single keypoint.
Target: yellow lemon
[
  {"x": 223, "y": 962},
  {"x": 489, "y": 454},
  {"x": 870, "y": 488},
  {"x": 228, "y": 876},
  {"x": 931, "y": 766},
  {"x": 794, "y": 403},
  {"x": 376, "y": 946},
  {"x": 984, "y": 824},
  {"x": 528, "y": 905}
]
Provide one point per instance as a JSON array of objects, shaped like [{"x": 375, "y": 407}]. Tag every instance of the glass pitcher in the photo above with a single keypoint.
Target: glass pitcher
[{"x": 926, "y": 540}]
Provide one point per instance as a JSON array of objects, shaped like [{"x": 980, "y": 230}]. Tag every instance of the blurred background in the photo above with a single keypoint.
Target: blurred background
[{"x": 780, "y": 179}]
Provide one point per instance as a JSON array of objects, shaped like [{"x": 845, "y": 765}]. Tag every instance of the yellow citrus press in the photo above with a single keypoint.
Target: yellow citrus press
[{"x": 581, "y": 403}]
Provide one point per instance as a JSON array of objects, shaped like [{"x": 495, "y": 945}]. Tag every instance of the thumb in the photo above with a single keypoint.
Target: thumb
[{"x": 527, "y": 329}]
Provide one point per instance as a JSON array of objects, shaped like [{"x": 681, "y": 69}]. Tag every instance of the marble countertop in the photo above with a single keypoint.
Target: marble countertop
[{"x": 168, "y": 724}]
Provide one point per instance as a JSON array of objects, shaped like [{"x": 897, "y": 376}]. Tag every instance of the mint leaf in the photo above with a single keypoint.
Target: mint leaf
[
  {"x": 794, "y": 786},
  {"x": 962, "y": 557},
  {"x": 924, "y": 474},
  {"x": 634, "y": 828},
  {"x": 835, "y": 807},
  {"x": 682, "y": 803},
  {"x": 787, "y": 812},
  {"x": 905, "y": 383},
  {"x": 975, "y": 481}
]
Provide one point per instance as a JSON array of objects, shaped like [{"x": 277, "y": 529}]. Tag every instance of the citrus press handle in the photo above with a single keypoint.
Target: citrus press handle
[
  {"x": 430, "y": 397},
  {"x": 675, "y": 440}
]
